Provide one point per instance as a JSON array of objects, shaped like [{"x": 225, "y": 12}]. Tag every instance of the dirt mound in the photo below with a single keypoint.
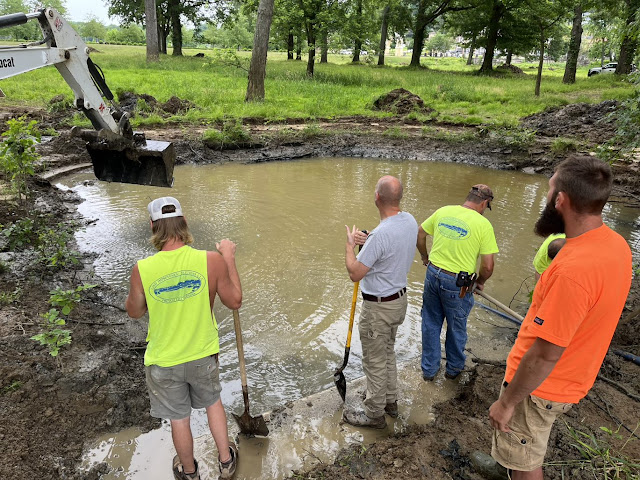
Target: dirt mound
[
  {"x": 510, "y": 68},
  {"x": 130, "y": 102},
  {"x": 175, "y": 105},
  {"x": 592, "y": 122},
  {"x": 400, "y": 102}
]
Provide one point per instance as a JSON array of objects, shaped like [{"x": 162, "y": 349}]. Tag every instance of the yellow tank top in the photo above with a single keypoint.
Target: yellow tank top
[{"x": 182, "y": 326}]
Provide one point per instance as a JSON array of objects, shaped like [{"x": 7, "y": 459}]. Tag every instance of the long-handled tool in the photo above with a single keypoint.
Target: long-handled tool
[
  {"x": 338, "y": 376},
  {"x": 248, "y": 425},
  {"x": 513, "y": 313}
]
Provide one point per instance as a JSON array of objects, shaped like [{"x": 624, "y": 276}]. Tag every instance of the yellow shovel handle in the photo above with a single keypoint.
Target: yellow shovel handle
[{"x": 353, "y": 312}]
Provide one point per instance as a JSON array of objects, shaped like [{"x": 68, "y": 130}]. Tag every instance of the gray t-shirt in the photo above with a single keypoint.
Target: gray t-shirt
[{"x": 389, "y": 252}]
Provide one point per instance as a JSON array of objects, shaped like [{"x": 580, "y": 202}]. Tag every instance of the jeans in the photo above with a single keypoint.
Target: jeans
[{"x": 440, "y": 300}]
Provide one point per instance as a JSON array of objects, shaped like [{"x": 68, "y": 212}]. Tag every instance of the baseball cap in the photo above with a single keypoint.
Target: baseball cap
[
  {"x": 483, "y": 191},
  {"x": 158, "y": 211}
]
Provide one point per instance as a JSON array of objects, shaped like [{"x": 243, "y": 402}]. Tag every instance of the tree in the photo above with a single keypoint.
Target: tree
[
  {"x": 440, "y": 43},
  {"x": 629, "y": 42},
  {"x": 151, "y": 29},
  {"x": 94, "y": 29},
  {"x": 574, "y": 46},
  {"x": 498, "y": 9},
  {"x": 427, "y": 12},
  {"x": 311, "y": 9},
  {"x": 258, "y": 67}
]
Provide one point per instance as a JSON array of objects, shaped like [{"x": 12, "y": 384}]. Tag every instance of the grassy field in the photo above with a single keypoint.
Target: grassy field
[{"x": 338, "y": 88}]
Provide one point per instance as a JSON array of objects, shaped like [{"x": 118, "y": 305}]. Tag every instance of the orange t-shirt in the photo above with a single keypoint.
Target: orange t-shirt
[{"x": 577, "y": 304}]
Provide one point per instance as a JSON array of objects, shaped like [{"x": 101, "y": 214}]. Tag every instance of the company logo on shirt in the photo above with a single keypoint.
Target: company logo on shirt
[
  {"x": 453, "y": 228},
  {"x": 538, "y": 320},
  {"x": 177, "y": 286}
]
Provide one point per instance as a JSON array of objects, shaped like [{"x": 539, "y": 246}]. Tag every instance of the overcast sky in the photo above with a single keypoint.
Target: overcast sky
[{"x": 79, "y": 10}]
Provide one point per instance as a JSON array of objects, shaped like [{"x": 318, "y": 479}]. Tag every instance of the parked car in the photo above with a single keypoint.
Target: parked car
[{"x": 608, "y": 68}]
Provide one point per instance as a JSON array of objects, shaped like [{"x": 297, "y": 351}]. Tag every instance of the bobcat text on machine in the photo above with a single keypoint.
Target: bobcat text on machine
[{"x": 117, "y": 152}]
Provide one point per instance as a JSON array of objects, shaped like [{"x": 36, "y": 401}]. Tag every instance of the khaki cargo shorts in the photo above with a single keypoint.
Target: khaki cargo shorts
[
  {"x": 174, "y": 391},
  {"x": 524, "y": 447}
]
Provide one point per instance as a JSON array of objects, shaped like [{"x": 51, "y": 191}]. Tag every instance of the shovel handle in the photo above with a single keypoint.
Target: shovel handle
[
  {"x": 354, "y": 300},
  {"x": 500, "y": 305},
  {"x": 243, "y": 369}
]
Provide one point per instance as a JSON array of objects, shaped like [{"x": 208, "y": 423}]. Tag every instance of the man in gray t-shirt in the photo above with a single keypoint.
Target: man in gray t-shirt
[{"x": 382, "y": 265}]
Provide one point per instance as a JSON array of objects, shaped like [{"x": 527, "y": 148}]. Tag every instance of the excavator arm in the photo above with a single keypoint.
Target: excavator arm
[{"x": 118, "y": 154}]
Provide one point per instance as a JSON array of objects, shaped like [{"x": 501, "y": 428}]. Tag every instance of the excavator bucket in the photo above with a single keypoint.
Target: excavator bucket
[
  {"x": 150, "y": 164},
  {"x": 140, "y": 161}
]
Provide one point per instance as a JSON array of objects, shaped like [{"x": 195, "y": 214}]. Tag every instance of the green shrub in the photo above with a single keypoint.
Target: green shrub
[
  {"x": 233, "y": 134},
  {"x": 68, "y": 299},
  {"x": 52, "y": 336},
  {"x": 53, "y": 247},
  {"x": 19, "y": 234},
  {"x": 564, "y": 145},
  {"x": 18, "y": 154}
]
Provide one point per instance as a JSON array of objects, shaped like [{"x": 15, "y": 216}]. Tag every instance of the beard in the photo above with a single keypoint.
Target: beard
[{"x": 550, "y": 221}]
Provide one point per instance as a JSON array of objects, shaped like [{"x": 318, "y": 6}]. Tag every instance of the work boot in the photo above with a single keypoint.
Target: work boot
[
  {"x": 359, "y": 418},
  {"x": 391, "y": 409},
  {"x": 452, "y": 376},
  {"x": 228, "y": 469},
  {"x": 178, "y": 470}
]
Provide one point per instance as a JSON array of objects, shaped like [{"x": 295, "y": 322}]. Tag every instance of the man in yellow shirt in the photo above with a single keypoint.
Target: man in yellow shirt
[
  {"x": 461, "y": 234},
  {"x": 177, "y": 286},
  {"x": 547, "y": 252}
]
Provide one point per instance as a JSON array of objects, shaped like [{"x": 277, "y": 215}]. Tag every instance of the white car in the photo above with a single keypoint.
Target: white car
[{"x": 608, "y": 68}]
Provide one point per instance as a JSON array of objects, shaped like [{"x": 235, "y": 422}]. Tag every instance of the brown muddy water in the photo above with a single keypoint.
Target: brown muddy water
[{"x": 288, "y": 219}]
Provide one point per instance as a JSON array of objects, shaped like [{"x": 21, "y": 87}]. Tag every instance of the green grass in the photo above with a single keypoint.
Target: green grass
[{"x": 338, "y": 89}]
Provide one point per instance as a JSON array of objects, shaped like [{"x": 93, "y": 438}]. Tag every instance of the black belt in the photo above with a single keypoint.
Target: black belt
[
  {"x": 373, "y": 298},
  {"x": 443, "y": 270}
]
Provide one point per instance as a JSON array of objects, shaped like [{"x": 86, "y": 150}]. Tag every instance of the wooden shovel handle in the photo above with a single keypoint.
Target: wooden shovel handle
[{"x": 243, "y": 370}]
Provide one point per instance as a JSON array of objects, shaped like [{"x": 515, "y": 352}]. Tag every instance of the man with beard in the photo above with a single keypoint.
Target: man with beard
[{"x": 575, "y": 310}]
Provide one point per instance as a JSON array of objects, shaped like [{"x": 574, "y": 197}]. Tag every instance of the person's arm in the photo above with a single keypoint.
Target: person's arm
[
  {"x": 422, "y": 245},
  {"x": 136, "y": 303},
  {"x": 535, "y": 366},
  {"x": 222, "y": 267},
  {"x": 356, "y": 270},
  {"x": 486, "y": 270}
]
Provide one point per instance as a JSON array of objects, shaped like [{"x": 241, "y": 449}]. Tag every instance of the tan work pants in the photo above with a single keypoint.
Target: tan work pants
[{"x": 378, "y": 326}]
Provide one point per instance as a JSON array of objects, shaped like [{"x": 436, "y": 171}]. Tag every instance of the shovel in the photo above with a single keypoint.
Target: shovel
[
  {"x": 338, "y": 376},
  {"x": 513, "y": 313},
  {"x": 248, "y": 425}
]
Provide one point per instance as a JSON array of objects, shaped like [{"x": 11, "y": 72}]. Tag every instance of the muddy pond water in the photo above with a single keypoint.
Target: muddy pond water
[{"x": 288, "y": 220}]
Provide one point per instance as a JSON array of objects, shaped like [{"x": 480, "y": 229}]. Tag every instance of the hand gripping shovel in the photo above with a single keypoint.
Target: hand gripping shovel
[{"x": 248, "y": 425}]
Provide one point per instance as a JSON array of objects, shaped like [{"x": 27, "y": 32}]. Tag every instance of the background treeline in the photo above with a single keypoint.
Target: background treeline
[{"x": 575, "y": 30}]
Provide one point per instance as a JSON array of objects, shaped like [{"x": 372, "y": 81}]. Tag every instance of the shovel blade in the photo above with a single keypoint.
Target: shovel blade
[
  {"x": 252, "y": 425},
  {"x": 150, "y": 164},
  {"x": 341, "y": 384}
]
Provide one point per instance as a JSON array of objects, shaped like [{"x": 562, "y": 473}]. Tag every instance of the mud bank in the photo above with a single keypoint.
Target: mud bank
[{"x": 49, "y": 410}]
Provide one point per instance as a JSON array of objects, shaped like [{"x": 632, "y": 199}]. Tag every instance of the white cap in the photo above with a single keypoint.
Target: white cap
[{"x": 155, "y": 208}]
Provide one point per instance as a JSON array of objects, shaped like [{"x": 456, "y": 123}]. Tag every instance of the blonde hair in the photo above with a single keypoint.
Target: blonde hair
[{"x": 166, "y": 229}]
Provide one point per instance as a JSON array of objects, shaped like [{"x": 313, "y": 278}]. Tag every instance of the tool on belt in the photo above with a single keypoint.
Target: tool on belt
[{"x": 465, "y": 282}]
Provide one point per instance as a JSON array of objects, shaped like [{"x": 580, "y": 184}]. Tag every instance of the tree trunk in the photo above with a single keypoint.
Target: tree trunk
[
  {"x": 290, "y": 46},
  {"x": 384, "y": 30},
  {"x": 509, "y": 57},
  {"x": 604, "y": 40},
  {"x": 472, "y": 48},
  {"x": 151, "y": 27},
  {"x": 492, "y": 36},
  {"x": 176, "y": 27},
  {"x": 540, "y": 63},
  {"x": 574, "y": 47},
  {"x": 311, "y": 41},
  {"x": 324, "y": 47},
  {"x": 299, "y": 46},
  {"x": 357, "y": 42},
  {"x": 258, "y": 66},
  {"x": 629, "y": 42},
  {"x": 418, "y": 35}
]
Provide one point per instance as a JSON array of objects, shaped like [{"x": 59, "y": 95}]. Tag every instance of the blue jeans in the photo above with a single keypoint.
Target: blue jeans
[{"x": 440, "y": 300}]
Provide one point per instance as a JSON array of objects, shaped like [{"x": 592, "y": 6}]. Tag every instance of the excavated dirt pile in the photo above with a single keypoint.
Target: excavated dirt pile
[
  {"x": 131, "y": 102},
  {"x": 400, "y": 102},
  {"x": 592, "y": 122}
]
